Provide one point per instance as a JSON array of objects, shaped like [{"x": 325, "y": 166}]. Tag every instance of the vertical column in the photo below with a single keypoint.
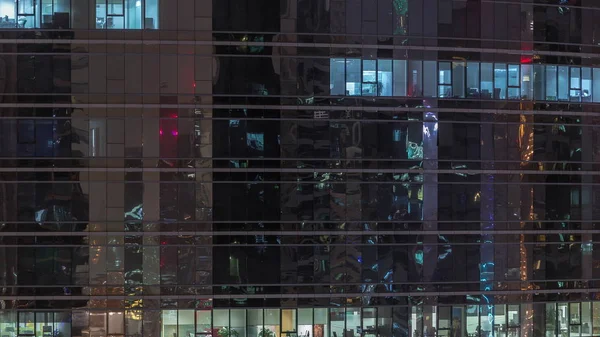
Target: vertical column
[
  {"x": 205, "y": 71},
  {"x": 115, "y": 210},
  {"x": 95, "y": 78},
  {"x": 430, "y": 189},
  {"x": 587, "y": 193},
  {"x": 8, "y": 192},
  {"x": 98, "y": 216},
  {"x": 151, "y": 222},
  {"x": 486, "y": 264}
]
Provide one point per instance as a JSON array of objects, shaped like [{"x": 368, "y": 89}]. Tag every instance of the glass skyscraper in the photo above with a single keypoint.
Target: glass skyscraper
[{"x": 299, "y": 168}]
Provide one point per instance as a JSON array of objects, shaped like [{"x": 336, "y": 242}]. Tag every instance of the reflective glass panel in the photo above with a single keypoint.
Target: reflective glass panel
[
  {"x": 586, "y": 84},
  {"x": 429, "y": 78},
  {"x": 400, "y": 80},
  {"x": 487, "y": 80},
  {"x": 415, "y": 74},
  {"x": 551, "y": 83},
  {"x": 472, "y": 79},
  {"x": 526, "y": 81},
  {"x": 369, "y": 78},
  {"x": 563, "y": 83},
  {"x": 458, "y": 79},
  {"x": 500, "y": 79},
  {"x": 337, "y": 72},
  {"x": 353, "y": 77},
  {"x": 384, "y": 77}
]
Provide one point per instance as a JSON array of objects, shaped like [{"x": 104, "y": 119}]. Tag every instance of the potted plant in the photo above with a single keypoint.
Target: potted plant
[
  {"x": 264, "y": 332},
  {"x": 227, "y": 332}
]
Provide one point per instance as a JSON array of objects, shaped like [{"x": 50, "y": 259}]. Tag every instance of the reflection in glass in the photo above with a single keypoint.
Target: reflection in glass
[
  {"x": 237, "y": 322},
  {"x": 337, "y": 74},
  {"x": 255, "y": 322},
  {"x": 473, "y": 326}
]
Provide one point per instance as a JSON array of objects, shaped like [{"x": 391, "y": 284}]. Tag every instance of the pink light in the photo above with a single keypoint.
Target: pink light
[
  {"x": 160, "y": 132},
  {"x": 175, "y": 133}
]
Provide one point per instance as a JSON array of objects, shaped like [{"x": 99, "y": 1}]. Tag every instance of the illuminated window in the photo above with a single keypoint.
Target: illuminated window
[
  {"x": 551, "y": 83},
  {"x": 526, "y": 81},
  {"x": 514, "y": 81},
  {"x": 48, "y": 14},
  {"x": 487, "y": 77},
  {"x": 353, "y": 77},
  {"x": 415, "y": 82},
  {"x": 457, "y": 79},
  {"x": 563, "y": 83},
  {"x": 369, "y": 78},
  {"x": 399, "y": 76},
  {"x": 575, "y": 84},
  {"x": 126, "y": 14},
  {"x": 500, "y": 80},
  {"x": 586, "y": 84},
  {"x": 472, "y": 79},
  {"x": 596, "y": 85},
  {"x": 539, "y": 82},
  {"x": 384, "y": 77}
]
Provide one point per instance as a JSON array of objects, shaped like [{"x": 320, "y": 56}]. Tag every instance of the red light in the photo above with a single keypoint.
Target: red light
[
  {"x": 160, "y": 132},
  {"x": 194, "y": 84},
  {"x": 175, "y": 133},
  {"x": 526, "y": 59}
]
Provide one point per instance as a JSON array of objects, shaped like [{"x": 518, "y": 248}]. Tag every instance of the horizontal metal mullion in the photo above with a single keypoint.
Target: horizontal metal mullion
[
  {"x": 330, "y": 295},
  {"x": 301, "y": 233},
  {"x": 311, "y": 170}
]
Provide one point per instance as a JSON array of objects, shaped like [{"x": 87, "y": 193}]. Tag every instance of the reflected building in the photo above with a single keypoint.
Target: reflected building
[{"x": 299, "y": 168}]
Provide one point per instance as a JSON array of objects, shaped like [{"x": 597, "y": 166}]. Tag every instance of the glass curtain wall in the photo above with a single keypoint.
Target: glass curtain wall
[
  {"x": 571, "y": 319},
  {"x": 473, "y": 80},
  {"x": 56, "y": 14},
  {"x": 119, "y": 14}
]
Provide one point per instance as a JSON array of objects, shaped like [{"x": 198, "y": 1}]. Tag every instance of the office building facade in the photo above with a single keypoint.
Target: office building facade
[{"x": 299, "y": 168}]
